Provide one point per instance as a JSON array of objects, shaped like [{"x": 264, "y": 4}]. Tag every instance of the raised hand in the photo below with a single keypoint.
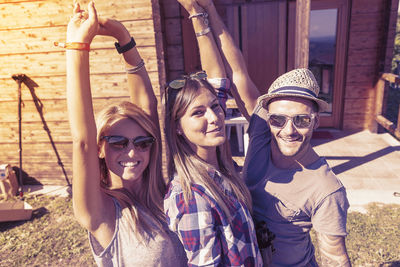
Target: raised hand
[
  {"x": 83, "y": 25},
  {"x": 191, "y": 6},
  {"x": 204, "y": 3},
  {"x": 113, "y": 28}
]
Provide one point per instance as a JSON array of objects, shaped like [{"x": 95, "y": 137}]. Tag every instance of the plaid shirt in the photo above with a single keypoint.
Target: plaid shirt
[
  {"x": 222, "y": 87},
  {"x": 207, "y": 236}
]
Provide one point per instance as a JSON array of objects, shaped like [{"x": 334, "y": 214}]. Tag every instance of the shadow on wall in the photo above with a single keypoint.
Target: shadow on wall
[
  {"x": 22, "y": 78},
  {"x": 26, "y": 178}
]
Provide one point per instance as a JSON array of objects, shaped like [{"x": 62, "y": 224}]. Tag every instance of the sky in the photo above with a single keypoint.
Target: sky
[{"x": 323, "y": 23}]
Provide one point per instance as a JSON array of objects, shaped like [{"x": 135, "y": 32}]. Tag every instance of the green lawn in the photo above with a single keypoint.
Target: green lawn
[{"x": 53, "y": 238}]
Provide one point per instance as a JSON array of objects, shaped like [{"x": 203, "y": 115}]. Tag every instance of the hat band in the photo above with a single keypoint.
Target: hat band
[{"x": 294, "y": 90}]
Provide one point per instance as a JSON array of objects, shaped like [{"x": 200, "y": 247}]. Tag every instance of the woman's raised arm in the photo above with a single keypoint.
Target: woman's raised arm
[
  {"x": 211, "y": 60},
  {"x": 234, "y": 62},
  {"x": 90, "y": 203},
  {"x": 139, "y": 84}
]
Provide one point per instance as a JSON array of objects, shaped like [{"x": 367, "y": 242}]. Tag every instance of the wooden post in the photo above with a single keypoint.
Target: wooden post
[
  {"x": 302, "y": 31},
  {"x": 397, "y": 131},
  {"x": 379, "y": 95},
  {"x": 19, "y": 78},
  {"x": 379, "y": 98},
  {"x": 380, "y": 92}
]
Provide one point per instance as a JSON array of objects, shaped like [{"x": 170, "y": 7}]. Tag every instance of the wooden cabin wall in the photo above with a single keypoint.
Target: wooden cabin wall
[
  {"x": 172, "y": 34},
  {"x": 28, "y": 30},
  {"x": 181, "y": 58},
  {"x": 370, "y": 51}
]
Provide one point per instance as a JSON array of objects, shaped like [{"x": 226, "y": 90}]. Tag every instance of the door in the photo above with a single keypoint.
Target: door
[
  {"x": 259, "y": 29},
  {"x": 263, "y": 40},
  {"x": 265, "y": 31},
  {"x": 327, "y": 52}
]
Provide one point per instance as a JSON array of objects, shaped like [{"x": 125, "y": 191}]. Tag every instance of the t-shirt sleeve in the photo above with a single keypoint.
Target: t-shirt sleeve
[
  {"x": 194, "y": 224},
  {"x": 330, "y": 216},
  {"x": 258, "y": 126},
  {"x": 258, "y": 152}
]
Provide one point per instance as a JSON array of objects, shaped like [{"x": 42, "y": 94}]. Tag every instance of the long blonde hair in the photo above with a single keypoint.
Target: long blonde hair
[
  {"x": 183, "y": 161},
  {"x": 152, "y": 193}
]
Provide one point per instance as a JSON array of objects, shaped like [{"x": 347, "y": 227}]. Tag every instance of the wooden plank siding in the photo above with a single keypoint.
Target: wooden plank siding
[
  {"x": 172, "y": 37},
  {"x": 27, "y": 31},
  {"x": 370, "y": 33}
]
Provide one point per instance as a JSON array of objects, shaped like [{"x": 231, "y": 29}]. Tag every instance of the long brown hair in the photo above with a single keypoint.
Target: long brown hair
[
  {"x": 184, "y": 162},
  {"x": 152, "y": 193}
]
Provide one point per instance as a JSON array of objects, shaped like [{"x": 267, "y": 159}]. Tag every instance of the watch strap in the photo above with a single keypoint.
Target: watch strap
[{"x": 127, "y": 47}]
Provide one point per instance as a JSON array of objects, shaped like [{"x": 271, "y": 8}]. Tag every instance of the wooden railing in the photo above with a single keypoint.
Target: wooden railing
[{"x": 380, "y": 93}]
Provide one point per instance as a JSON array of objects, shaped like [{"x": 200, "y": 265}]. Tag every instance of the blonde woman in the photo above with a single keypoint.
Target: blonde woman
[
  {"x": 118, "y": 186},
  {"x": 207, "y": 203}
]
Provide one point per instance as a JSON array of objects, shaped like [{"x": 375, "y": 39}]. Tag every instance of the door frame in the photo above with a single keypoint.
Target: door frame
[
  {"x": 342, "y": 31},
  {"x": 335, "y": 120}
]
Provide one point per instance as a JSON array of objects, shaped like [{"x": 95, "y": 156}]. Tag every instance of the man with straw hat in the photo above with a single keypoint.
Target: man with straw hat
[{"x": 293, "y": 189}]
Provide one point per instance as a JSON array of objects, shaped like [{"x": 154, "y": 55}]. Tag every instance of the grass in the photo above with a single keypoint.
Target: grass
[
  {"x": 53, "y": 238},
  {"x": 374, "y": 237}
]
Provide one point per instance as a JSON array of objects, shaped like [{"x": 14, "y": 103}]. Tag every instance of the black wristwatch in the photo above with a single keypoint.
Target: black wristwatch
[{"x": 124, "y": 48}]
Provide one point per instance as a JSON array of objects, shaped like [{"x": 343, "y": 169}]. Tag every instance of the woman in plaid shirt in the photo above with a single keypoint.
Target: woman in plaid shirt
[{"x": 207, "y": 203}]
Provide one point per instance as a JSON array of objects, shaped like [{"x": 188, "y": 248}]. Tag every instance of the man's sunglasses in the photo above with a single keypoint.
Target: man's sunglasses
[
  {"x": 300, "y": 121},
  {"x": 140, "y": 143}
]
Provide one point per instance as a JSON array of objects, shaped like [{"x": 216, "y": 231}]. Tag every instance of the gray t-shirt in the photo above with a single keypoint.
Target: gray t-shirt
[
  {"x": 125, "y": 250},
  {"x": 291, "y": 202}
]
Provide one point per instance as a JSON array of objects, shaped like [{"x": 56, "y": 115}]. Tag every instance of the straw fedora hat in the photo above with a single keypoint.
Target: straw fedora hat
[{"x": 297, "y": 83}]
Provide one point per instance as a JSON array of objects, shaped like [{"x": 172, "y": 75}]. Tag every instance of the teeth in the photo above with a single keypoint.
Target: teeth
[
  {"x": 290, "y": 140},
  {"x": 129, "y": 164}
]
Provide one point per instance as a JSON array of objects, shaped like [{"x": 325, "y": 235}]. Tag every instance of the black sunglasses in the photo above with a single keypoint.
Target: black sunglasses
[
  {"x": 140, "y": 143},
  {"x": 300, "y": 121}
]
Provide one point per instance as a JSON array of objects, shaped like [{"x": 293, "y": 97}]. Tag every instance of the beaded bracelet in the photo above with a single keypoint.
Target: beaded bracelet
[{"x": 203, "y": 15}]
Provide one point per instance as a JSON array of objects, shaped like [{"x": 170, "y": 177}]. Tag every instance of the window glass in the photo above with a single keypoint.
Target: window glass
[{"x": 322, "y": 51}]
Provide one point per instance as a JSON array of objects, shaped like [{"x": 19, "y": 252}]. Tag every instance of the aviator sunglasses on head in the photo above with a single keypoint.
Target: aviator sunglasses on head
[
  {"x": 300, "y": 121},
  {"x": 178, "y": 84},
  {"x": 140, "y": 143}
]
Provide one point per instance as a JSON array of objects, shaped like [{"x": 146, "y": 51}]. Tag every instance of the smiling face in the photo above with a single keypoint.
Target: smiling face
[
  {"x": 126, "y": 165},
  {"x": 290, "y": 141},
  {"x": 202, "y": 125}
]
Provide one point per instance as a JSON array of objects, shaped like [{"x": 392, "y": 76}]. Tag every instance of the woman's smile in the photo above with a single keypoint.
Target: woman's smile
[
  {"x": 129, "y": 164},
  {"x": 215, "y": 130}
]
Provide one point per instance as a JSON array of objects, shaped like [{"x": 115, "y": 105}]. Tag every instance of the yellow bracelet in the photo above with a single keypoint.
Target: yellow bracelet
[{"x": 74, "y": 46}]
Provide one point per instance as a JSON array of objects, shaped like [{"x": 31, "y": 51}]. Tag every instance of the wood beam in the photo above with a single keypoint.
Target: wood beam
[{"x": 302, "y": 31}]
